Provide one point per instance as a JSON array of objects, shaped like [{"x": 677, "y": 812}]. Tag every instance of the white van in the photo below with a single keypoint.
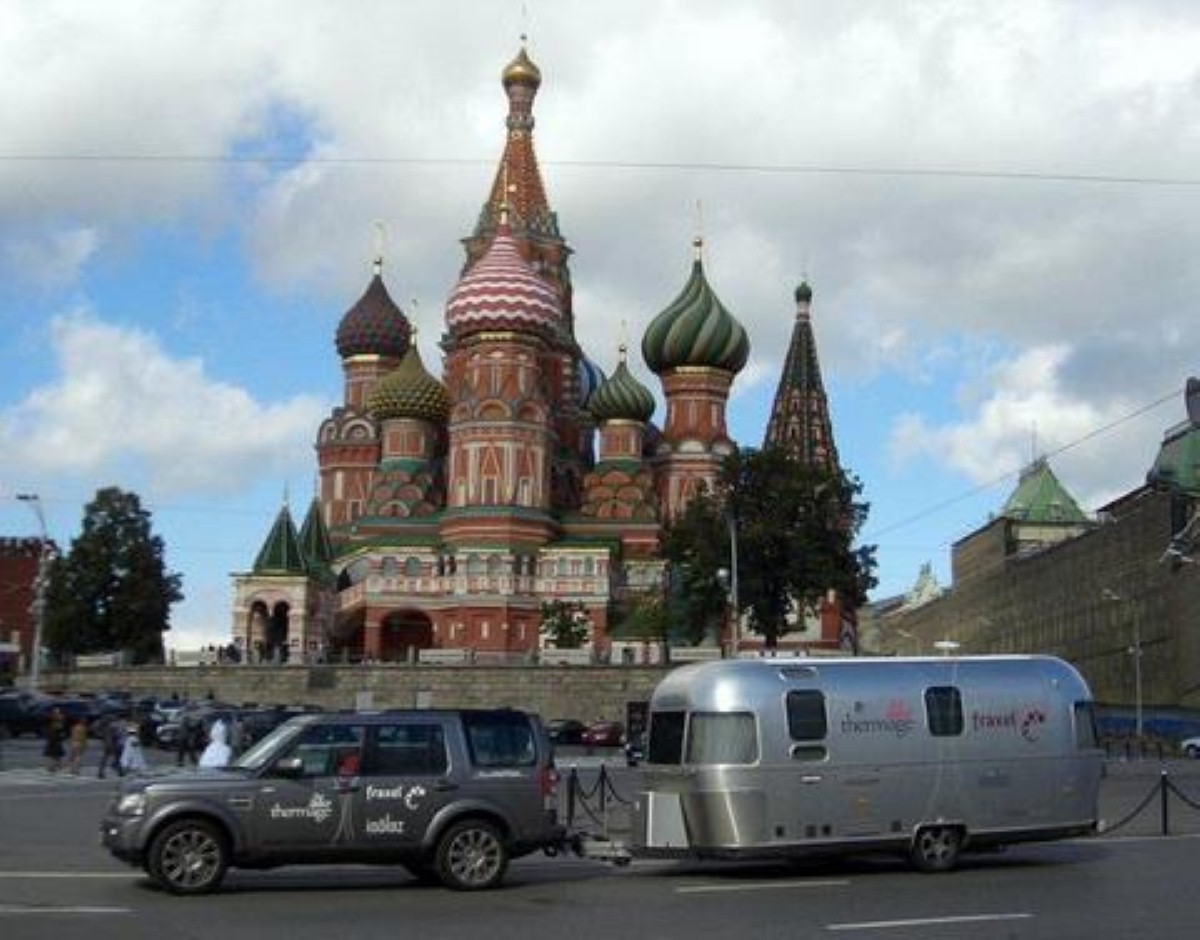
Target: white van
[{"x": 787, "y": 757}]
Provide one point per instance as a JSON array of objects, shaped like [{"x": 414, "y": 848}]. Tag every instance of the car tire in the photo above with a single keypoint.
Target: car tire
[
  {"x": 190, "y": 856},
  {"x": 471, "y": 856},
  {"x": 936, "y": 848}
]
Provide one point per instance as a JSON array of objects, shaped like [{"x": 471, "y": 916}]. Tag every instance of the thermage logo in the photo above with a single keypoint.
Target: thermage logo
[
  {"x": 897, "y": 720},
  {"x": 318, "y": 809}
]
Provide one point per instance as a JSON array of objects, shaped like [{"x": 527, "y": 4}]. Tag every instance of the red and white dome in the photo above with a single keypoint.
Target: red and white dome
[{"x": 502, "y": 291}]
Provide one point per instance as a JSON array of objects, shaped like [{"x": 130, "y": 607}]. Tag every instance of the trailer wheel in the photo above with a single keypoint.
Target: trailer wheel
[{"x": 936, "y": 848}]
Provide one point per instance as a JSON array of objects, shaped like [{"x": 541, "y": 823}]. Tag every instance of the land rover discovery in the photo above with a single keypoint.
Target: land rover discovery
[{"x": 450, "y": 795}]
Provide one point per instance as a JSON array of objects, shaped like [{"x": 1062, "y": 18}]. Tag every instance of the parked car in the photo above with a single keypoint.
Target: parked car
[
  {"x": 19, "y": 715},
  {"x": 603, "y": 734},
  {"x": 450, "y": 795},
  {"x": 565, "y": 730},
  {"x": 1190, "y": 747}
]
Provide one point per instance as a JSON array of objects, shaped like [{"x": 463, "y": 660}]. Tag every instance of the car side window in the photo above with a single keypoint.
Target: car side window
[
  {"x": 407, "y": 748},
  {"x": 500, "y": 739},
  {"x": 329, "y": 750}
]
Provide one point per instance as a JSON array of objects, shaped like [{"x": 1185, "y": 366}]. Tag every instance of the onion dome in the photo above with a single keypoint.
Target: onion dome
[
  {"x": 803, "y": 293},
  {"x": 409, "y": 391},
  {"x": 502, "y": 291},
  {"x": 521, "y": 71},
  {"x": 622, "y": 397},
  {"x": 695, "y": 330},
  {"x": 591, "y": 377},
  {"x": 374, "y": 325}
]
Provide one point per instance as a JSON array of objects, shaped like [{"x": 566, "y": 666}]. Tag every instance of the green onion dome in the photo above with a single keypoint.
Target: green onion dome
[
  {"x": 408, "y": 391},
  {"x": 621, "y": 397},
  {"x": 375, "y": 325},
  {"x": 695, "y": 330}
]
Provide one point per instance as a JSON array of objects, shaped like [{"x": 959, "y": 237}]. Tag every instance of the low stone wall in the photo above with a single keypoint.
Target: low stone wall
[{"x": 584, "y": 692}]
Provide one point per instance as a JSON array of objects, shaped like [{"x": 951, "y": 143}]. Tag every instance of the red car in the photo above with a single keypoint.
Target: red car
[{"x": 603, "y": 734}]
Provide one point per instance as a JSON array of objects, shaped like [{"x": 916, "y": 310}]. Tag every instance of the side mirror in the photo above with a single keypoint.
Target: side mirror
[{"x": 290, "y": 768}]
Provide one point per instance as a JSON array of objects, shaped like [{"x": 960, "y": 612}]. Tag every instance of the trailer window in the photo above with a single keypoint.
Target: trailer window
[
  {"x": 1085, "y": 727},
  {"x": 806, "y": 715},
  {"x": 943, "y": 711},
  {"x": 666, "y": 738},
  {"x": 722, "y": 738}
]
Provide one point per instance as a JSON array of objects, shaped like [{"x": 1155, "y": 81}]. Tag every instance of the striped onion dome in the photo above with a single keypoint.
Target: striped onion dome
[
  {"x": 695, "y": 330},
  {"x": 502, "y": 291},
  {"x": 591, "y": 376},
  {"x": 375, "y": 325},
  {"x": 622, "y": 397},
  {"x": 408, "y": 391}
]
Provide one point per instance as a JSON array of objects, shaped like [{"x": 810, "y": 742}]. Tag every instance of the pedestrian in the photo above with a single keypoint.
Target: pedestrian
[
  {"x": 55, "y": 733},
  {"x": 77, "y": 744},
  {"x": 217, "y": 754},
  {"x": 112, "y": 738},
  {"x": 191, "y": 737},
  {"x": 132, "y": 759}
]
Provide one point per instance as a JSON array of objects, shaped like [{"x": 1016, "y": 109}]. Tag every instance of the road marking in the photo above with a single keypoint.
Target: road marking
[
  {"x": 759, "y": 886},
  {"x": 17, "y": 909},
  {"x": 18, "y": 875},
  {"x": 927, "y": 921}
]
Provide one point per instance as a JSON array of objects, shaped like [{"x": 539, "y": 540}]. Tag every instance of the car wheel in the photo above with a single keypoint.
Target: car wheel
[
  {"x": 936, "y": 848},
  {"x": 471, "y": 856},
  {"x": 188, "y": 857}
]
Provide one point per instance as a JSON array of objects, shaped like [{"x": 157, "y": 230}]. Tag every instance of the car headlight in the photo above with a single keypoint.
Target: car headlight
[{"x": 132, "y": 804}]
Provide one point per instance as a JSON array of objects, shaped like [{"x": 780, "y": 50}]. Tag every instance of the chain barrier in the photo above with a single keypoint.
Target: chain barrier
[
  {"x": 1162, "y": 789},
  {"x": 592, "y": 802}
]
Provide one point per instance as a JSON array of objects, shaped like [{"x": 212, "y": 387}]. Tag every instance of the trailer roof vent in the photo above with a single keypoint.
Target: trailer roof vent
[{"x": 798, "y": 672}]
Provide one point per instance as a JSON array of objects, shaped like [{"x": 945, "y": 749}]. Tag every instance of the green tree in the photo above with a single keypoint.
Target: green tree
[
  {"x": 111, "y": 591},
  {"x": 696, "y": 545},
  {"x": 565, "y": 624},
  {"x": 795, "y": 527}
]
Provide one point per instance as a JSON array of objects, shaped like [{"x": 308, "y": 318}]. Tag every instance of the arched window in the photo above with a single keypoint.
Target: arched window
[{"x": 412, "y": 566}]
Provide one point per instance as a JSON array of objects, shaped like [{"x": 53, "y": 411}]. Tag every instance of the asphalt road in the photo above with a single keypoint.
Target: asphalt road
[{"x": 57, "y": 882}]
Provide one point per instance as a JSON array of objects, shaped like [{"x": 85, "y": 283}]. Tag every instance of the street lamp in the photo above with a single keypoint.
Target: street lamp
[
  {"x": 735, "y": 631},
  {"x": 1136, "y": 652},
  {"x": 39, "y": 598}
]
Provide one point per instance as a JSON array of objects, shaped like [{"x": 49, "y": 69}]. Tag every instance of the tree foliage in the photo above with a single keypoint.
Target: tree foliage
[
  {"x": 565, "y": 624},
  {"x": 795, "y": 530},
  {"x": 696, "y": 544},
  {"x": 111, "y": 591}
]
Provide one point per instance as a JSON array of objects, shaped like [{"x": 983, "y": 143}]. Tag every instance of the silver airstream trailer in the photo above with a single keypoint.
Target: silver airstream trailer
[{"x": 926, "y": 756}]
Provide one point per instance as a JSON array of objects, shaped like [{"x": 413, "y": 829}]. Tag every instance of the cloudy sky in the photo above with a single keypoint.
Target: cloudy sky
[{"x": 997, "y": 203}]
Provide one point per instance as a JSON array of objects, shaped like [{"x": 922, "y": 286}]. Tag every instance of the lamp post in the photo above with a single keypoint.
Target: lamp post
[
  {"x": 39, "y": 598},
  {"x": 730, "y": 578}
]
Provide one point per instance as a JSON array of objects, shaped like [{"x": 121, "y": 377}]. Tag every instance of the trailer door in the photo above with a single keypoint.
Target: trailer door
[{"x": 808, "y": 800}]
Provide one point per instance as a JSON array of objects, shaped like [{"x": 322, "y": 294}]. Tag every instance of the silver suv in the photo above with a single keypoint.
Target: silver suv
[{"x": 450, "y": 795}]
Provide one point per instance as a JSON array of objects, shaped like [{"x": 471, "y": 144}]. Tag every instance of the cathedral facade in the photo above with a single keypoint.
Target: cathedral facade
[{"x": 450, "y": 509}]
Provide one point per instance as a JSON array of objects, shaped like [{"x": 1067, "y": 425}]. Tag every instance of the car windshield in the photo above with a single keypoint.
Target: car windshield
[{"x": 265, "y": 750}]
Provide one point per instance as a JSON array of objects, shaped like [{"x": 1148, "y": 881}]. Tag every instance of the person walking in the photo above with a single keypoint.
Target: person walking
[
  {"x": 55, "y": 732},
  {"x": 191, "y": 736},
  {"x": 132, "y": 759},
  {"x": 76, "y": 745},
  {"x": 112, "y": 739}
]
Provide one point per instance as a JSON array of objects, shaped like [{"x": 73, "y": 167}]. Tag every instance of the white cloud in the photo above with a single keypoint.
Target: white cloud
[
  {"x": 48, "y": 260},
  {"x": 1020, "y": 409},
  {"x": 120, "y": 404}
]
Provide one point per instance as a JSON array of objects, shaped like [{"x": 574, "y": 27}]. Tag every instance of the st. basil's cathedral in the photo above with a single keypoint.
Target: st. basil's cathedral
[{"x": 448, "y": 510}]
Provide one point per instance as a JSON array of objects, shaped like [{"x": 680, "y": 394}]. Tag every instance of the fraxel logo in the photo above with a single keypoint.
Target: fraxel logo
[
  {"x": 1027, "y": 721},
  {"x": 897, "y": 720}
]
